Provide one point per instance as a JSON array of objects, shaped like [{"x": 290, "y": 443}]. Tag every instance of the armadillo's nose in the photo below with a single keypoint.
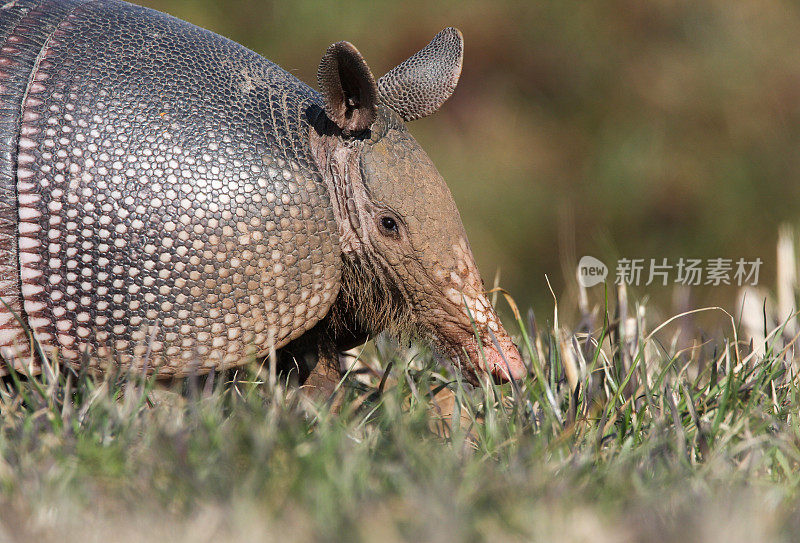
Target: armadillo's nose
[{"x": 507, "y": 362}]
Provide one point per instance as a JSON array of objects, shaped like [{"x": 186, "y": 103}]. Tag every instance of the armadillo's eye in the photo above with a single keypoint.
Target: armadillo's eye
[{"x": 389, "y": 226}]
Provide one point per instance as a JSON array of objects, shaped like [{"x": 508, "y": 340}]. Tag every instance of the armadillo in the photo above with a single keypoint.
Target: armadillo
[{"x": 168, "y": 195}]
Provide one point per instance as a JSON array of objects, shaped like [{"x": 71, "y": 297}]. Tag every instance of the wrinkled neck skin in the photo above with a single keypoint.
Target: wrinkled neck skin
[
  {"x": 371, "y": 298},
  {"x": 424, "y": 286}
]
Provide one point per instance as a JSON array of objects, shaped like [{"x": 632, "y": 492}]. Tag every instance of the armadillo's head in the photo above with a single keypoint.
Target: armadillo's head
[{"x": 408, "y": 264}]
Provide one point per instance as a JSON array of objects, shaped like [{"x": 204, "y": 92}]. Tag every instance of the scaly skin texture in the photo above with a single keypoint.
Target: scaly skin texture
[
  {"x": 163, "y": 180},
  {"x": 417, "y": 87},
  {"x": 169, "y": 197}
]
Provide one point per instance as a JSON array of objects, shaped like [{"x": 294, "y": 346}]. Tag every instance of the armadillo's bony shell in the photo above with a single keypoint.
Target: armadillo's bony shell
[{"x": 154, "y": 174}]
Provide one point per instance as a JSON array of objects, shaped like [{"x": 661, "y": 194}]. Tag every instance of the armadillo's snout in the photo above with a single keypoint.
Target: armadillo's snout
[
  {"x": 496, "y": 355},
  {"x": 506, "y": 363},
  {"x": 500, "y": 356}
]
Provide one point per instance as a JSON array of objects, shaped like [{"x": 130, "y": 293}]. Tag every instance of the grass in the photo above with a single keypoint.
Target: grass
[{"x": 619, "y": 436}]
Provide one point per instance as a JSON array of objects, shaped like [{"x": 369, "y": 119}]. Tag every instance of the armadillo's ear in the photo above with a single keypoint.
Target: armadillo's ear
[
  {"x": 348, "y": 88},
  {"x": 420, "y": 85}
]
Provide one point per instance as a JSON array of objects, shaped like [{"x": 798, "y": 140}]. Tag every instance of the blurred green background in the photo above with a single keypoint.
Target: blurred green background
[{"x": 615, "y": 129}]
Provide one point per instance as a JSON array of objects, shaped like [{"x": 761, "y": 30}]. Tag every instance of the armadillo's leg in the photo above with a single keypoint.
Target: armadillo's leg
[
  {"x": 313, "y": 362},
  {"x": 324, "y": 379},
  {"x": 314, "y": 358}
]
